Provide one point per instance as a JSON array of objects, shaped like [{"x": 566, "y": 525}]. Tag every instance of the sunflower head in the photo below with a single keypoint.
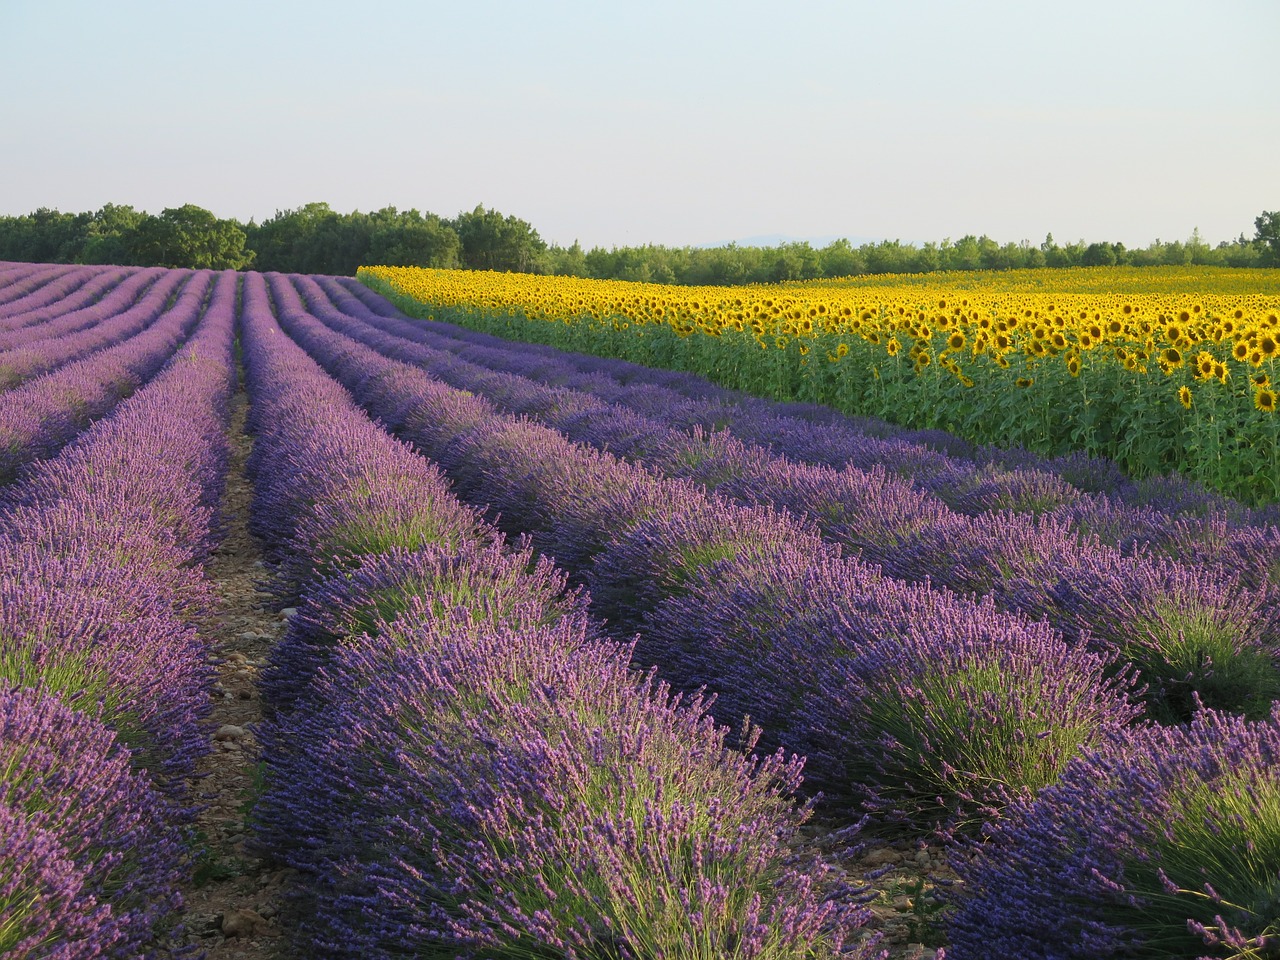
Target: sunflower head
[{"x": 1184, "y": 396}]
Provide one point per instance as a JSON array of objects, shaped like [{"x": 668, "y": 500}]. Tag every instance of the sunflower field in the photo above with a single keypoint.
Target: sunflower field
[{"x": 1158, "y": 369}]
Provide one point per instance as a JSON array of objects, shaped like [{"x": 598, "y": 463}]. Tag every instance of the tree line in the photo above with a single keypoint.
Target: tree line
[{"x": 317, "y": 239}]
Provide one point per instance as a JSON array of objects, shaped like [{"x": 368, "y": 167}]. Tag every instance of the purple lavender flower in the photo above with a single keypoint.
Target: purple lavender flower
[
  {"x": 71, "y": 784},
  {"x": 1162, "y": 843},
  {"x": 524, "y": 792}
]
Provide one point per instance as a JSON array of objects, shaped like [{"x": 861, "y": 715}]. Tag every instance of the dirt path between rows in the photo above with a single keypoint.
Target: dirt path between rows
[{"x": 232, "y": 905}]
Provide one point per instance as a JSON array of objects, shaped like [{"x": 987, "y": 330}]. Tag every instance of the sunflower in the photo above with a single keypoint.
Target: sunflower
[
  {"x": 1268, "y": 346},
  {"x": 893, "y": 346},
  {"x": 1184, "y": 396},
  {"x": 1073, "y": 365},
  {"x": 1265, "y": 400},
  {"x": 1204, "y": 365},
  {"x": 1024, "y": 381},
  {"x": 955, "y": 341}
]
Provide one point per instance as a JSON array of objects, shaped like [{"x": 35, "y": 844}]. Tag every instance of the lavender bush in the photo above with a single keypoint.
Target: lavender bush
[
  {"x": 45, "y": 911},
  {"x": 521, "y": 793},
  {"x": 1165, "y": 843},
  {"x": 492, "y": 583},
  {"x": 71, "y": 784}
]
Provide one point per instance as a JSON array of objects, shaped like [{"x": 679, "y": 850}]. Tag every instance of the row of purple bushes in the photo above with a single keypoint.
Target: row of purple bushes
[
  {"x": 30, "y": 288},
  {"x": 971, "y": 479},
  {"x": 1203, "y": 623},
  {"x": 459, "y": 764},
  {"x": 106, "y": 685},
  {"x": 41, "y": 415},
  {"x": 930, "y": 707},
  {"x": 57, "y": 297},
  {"x": 127, "y": 308},
  {"x": 1155, "y": 841}
]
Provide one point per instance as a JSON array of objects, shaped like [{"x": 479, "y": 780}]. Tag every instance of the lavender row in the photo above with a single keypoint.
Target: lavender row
[
  {"x": 519, "y": 790},
  {"x": 67, "y": 294},
  {"x": 89, "y": 862},
  {"x": 38, "y": 418},
  {"x": 26, "y": 286},
  {"x": 107, "y": 685},
  {"x": 1207, "y": 629},
  {"x": 987, "y": 478},
  {"x": 1161, "y": 513},
  {"x": 1163, "y": 844},
  {"x": 125, "y": 311},
  {"x": 91, "y": 286},
  {"x": 923, "y": 704}
]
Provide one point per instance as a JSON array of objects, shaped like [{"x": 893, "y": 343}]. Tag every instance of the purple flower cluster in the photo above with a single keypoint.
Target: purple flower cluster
[
  {"x": 89, "y": 865},
  {"x": 460, "y": 763},
  {"x": 1164, "y": 843},
  {"x": 109, "y": 682},
  {"x": 491, "y": 582},
  {"x": 43, "y": 414},
  {"x": 329, "y": 485},
  {"x": 661, "y": 555},
  {"x": 520, "y": 791}
]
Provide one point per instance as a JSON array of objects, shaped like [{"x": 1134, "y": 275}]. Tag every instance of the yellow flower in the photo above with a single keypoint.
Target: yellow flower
[
  {"x": 1204, "y": 365},
  {"x": 1265, "y": 400},
  {"x": 1184, "y": 396}
]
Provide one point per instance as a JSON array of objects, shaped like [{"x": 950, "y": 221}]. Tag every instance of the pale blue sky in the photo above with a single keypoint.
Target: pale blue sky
[{"x": 667, "y": 122}]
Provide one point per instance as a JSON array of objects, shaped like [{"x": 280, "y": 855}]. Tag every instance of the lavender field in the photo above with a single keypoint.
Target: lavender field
[{"x": 590, "y": 660}]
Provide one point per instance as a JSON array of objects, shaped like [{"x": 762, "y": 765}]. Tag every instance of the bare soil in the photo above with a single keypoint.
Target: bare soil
[{"x": 232, "y": 905}]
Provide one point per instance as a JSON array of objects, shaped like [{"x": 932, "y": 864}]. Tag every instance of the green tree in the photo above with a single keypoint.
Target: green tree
[
  {"x": 410, "y": 239},
  {"x": 190, "y": 236},
  {"x": 491, "y": 241},
  {"x": 1267, "y": 225},
  {"x": 1098, "y": 255},
  {"x": 110, "y": 235}
]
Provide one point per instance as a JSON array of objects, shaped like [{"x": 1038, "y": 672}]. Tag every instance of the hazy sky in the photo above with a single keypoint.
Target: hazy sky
[{"x": 667, "y": 122}]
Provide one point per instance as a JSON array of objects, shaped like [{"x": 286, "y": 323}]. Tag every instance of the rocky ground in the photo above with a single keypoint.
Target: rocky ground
[{"x": 232, "y": 905}]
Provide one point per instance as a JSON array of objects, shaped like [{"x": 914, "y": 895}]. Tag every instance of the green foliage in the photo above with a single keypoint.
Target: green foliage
[
  {"x": 1267, "y": 225},
  {"x": 189, "y": 236},
  {"x": 316, "y": 239},
  {"x": 491, "y": 241}
]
